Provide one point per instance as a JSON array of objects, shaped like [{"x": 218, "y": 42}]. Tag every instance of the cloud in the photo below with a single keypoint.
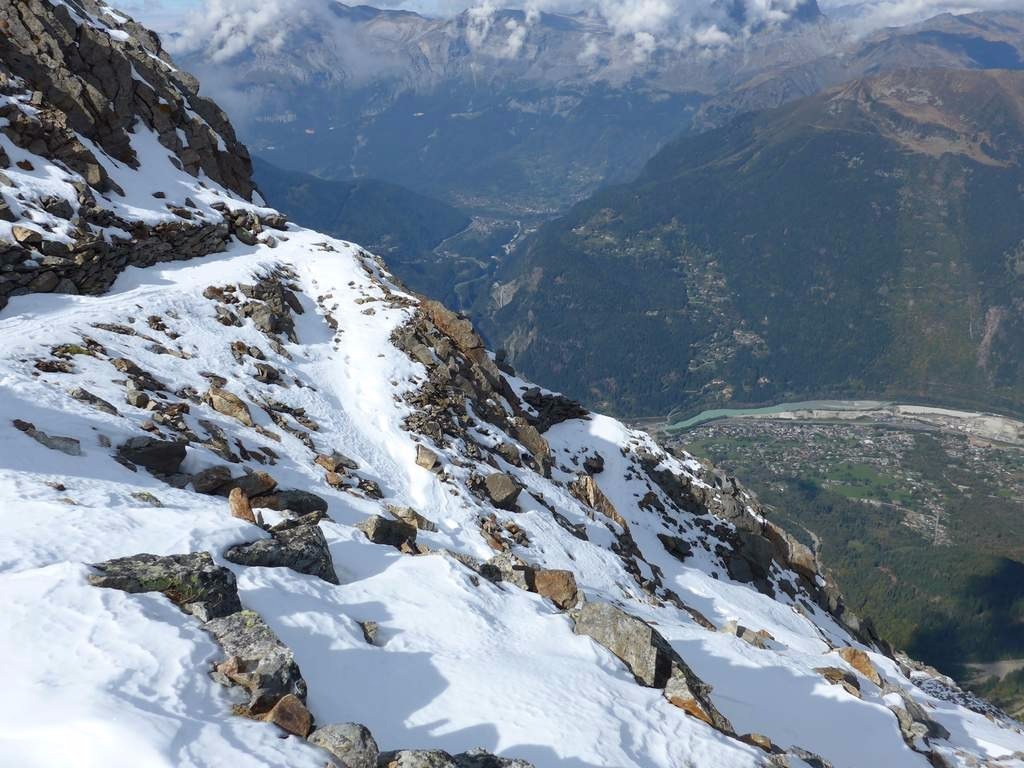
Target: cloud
[{"x": 869, "y": 15}]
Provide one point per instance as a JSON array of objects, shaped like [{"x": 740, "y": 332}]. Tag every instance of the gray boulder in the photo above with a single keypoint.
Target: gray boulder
[
  {"x": 193, "y": 582},
  {"x": 161, "y": 456},
  {"x": 380, "y": 530},
  {"x": 502, "y": 490},
  {"x": 351, "y": 743},
  {"x": 256, "y": 660},
  {"x": 302, "y": 548},
  {"x": 653, "y": 662},
  {"x": 68, "y": 445},
  {"x": 479, "y": 758},
  {"x": 416, "y": 758}
]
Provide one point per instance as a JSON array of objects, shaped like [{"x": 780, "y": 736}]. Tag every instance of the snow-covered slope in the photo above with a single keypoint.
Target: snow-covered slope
[{"x": 400, "y": 534}]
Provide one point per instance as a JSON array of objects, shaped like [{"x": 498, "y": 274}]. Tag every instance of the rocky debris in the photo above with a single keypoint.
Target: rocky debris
[
  {"x": 422, "y": 758},
  {"x": 294, "y": 501},
  {"x": 193, "y": 582},
  {"x": 370, "y": 630},
  {"x": 412, "y": 517},
  {"x": 585, "y": 488},
  {"x": 841, "y": 677},
  {"x": 758, "y": 740},
  {"x": 140, "y": 378},
  {"x": 650, "y": 658},
  {"x": 135, "y": 397},
  {"x": 208, "y": 481},
  {"x": 427, "y": 459},
  {"x": 239, "y": 506},
  {"x": 84, "y": 396},
  {"x": 256, "y": 660},
  {"x": 678, "y": 548},
  {"x": 527, "y": 434},
  {"x": 335, "y": 462},
  {"x": 302, "y": 548},
  {"x": 509, "y": 453},
  {"x": 68, "y": 445},
  {"x": 502, "y": 490},
  {"x": 558, "y": 586},
  {"x": 291, "y": 715},
  {"x": 252, "y": 483},
  {"x": 506, "y": 567},
  {"x": 594, "y": 464},
  {"x": 552, "y": 408},
  {"x": 162, "y": 457},
  {"x": 229, "y": 404},
  {"x": 758, "y": 639},
  {"x": 914, "y": 722},
  {"x": 351, "y": 743},
  {"x": 394, "y": 533},
  {"x": 860, "y": 661}
]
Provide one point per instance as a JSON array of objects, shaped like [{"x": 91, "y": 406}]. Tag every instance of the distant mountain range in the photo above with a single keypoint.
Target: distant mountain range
[
  {"x": 865, "y": 240},
  {"x": 519, "y": 115}
]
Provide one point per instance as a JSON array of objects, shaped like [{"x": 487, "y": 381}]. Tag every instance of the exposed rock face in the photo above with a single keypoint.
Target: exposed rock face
[
  {"x": 650, "y": 658},
  {"x": 412, "y": 517},
  {"x": 351, "y": 743},
  {"x": 194, "y": 582},
  {"x": 302, "y": 548},
  {"x": 160, "y": 456},
  {"x": 89, "y": 74},
  {"x": 585, "y": 489}
]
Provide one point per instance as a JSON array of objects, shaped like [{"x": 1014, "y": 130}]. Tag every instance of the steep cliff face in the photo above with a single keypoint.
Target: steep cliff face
[
  {"x": 268, "y": 508},
  {"x": 108, "y": 155}
]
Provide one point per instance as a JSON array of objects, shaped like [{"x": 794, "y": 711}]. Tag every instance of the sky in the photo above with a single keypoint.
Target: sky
[{"x": 627, "y": 16}]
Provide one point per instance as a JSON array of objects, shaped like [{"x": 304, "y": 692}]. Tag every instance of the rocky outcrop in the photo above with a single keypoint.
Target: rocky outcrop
[
  {"x": 193, "y": 582},
  {"x": 69, "y": 445},
  {"x": 650, "y": 658},
  {"x": 75, "y": 71},
  {"x": 256, "y": 660},
  {"x": 162, "y": 457},
  {"x": 302, "y": 548}
]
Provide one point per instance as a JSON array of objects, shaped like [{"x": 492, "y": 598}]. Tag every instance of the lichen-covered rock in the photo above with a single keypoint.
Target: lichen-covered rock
[
  {"x": 193, "y": 581},
  {"x": 256, "y": 659},
  {"x": 302, "y": 548},
  {"x": 351, "y": 743}
]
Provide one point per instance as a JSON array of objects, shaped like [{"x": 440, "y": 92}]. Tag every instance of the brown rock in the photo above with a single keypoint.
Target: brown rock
[
  {"x": 585, "y": 489},
  {"x": 238, "y": 503},
  {"x": 229, "y": 404},
  {"x": 427, "y": 459},
  {"x": 502, "y": 490},
  {"x": 837, "y": 676},
  {"x": 291, "y": 715},
  {"x": 860, "y": 661},
  {"x": 758, "y": 740},
  {"x": 557, "y": 586}
]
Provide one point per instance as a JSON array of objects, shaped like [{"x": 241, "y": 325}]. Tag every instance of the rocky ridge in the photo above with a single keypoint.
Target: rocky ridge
[{"x": 371, "y": 526}]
